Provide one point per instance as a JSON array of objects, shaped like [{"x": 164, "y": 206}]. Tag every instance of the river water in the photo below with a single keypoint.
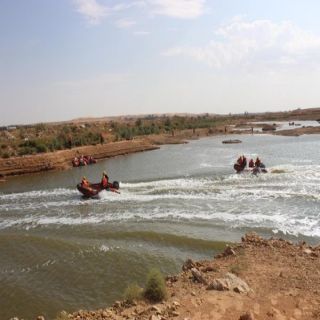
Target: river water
[{"x": 59, "y": 251}]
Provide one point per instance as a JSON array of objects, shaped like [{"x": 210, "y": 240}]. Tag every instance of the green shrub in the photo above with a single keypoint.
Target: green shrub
[
  {"x": 40, "y": 127},
  {"x": 26, "y": 150},
  {"x": 63, "y": 315},
  {"x": 41, "y": 148},
  {"x": 5, "y": 155},
  {"x": 133, "y": 292},
  {"x": 155, "y": 290}
]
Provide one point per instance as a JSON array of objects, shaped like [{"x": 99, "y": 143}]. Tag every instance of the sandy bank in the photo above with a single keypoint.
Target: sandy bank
[
  {"x": 256, "y": 279},
  {"x": 62, "y": 159},
  {"x": 298, "y": 131}
]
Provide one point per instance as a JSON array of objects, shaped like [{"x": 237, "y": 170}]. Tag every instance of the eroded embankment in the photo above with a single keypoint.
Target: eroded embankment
[
  {"x": 257, "y": 279},
  {"x": 62, "y": 159}
]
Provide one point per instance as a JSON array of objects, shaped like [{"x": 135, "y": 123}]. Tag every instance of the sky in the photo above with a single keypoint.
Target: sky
[{"x": 64, "y": 59}]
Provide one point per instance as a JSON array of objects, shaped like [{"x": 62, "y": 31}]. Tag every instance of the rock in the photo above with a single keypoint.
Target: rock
[
  {"x": 219, "y": 285},
  {"x": 156, "y": 309},
  {"x": 105, "y": 314},
  {"x": 154, "y": 317},
  {"x": 172, "y": 278},
  {"x": 229, "y": 251},
  {"x": 117, "y": 304},
  {"x": 247, "y": 316},
  {"x": 175, "y": 313},
  {"x": 176, "y": 304},
  {"x": 193, "y": 293},
  {"x": 252, "y": 237},
  {"x": 307, "y": 251},
  {"x": 198, "y": 276},
  {"x": 208, "y": 269},
  {"x": 189, "y": 264},
  {"x": 41, "y": 318},
  {"x": 230, "y": 282}
]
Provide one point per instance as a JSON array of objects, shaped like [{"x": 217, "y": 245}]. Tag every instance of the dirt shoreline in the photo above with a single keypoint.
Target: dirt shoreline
[
  {"x": 61, "y": 160},
  {"x": 253, "y": 280}
]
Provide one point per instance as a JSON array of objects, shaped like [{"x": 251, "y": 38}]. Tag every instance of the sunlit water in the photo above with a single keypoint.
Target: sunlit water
[{"x": 59, "y": 251}]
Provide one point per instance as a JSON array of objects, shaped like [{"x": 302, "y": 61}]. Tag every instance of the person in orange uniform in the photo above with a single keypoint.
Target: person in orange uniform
[
  {"x": 105, "y": 180},
  {"x": 85, "y": 182}
]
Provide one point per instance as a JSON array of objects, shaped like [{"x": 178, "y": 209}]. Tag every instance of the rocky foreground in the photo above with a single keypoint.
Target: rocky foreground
[{"x": 256, "y": 279}]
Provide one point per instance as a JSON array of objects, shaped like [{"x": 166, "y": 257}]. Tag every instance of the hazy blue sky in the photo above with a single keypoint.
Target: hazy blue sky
[{"x": 62, "y": 59}]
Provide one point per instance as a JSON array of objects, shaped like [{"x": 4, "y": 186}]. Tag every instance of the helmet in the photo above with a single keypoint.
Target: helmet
[
  {"x": 104, "y": 173},
  {"x": 84, "y": 178}
]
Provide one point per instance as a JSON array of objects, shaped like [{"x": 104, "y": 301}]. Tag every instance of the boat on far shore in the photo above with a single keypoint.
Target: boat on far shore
[{"x": 230, "y": 141}]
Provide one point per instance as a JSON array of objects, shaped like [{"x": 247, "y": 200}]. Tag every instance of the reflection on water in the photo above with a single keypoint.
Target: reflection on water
[{"x": 59, "y": 251}]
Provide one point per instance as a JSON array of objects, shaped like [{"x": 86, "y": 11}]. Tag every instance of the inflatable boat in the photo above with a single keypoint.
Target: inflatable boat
[{"x": 95, "y": 188}]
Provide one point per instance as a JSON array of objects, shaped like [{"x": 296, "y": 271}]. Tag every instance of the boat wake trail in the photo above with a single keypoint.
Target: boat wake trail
[{"x": 287, "y": 200}]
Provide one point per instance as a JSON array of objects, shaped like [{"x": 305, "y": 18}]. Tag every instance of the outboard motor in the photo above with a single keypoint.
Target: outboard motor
[{"x": 116, "y": 185}]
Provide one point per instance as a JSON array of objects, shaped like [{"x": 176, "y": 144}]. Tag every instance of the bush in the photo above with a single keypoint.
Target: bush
[
  {"x": 156, "y": 287},
  {"x": 41, "y": 148},
  {"x": 133, "y": 292},
  {"x": 40, "y": 127},
  {"x": 63, "y": 315},
  {"x": 26, "y": 150}
]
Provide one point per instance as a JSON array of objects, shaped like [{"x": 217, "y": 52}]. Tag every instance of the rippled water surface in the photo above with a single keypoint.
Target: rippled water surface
[{"x": 59, "y": 251}]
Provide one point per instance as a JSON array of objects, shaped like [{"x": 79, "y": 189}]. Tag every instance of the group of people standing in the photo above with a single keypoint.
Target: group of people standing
[{"x": 83, "y": 161}]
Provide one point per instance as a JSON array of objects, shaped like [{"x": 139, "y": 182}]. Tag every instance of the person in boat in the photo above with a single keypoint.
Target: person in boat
[
  {"x": 75, "y": 161},
  {"x": 105, "y": 180},
  {"x": 258, "y": 162},
  {"x": 239, "y": 161},
  {"x": 81, "y": 161},
  {"x": 85, "y": 182},
  {"x": 244, "y": 161},
  {"x": 251, "y": 163}
]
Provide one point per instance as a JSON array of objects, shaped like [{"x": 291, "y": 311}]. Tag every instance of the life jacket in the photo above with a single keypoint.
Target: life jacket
[
  {"x": 85, "y": 183},
  {"x": 251, "y": 163},
  {"x": 104, "y": 181}
]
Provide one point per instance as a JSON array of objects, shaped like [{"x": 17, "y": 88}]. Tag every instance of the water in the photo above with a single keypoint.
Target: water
[
  {"x": 283, "y": 125},
  {"x": 59, "y": 251}
]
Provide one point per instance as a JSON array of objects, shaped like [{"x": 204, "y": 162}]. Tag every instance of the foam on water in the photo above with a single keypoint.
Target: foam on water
[{"x": 288, "y": 202}]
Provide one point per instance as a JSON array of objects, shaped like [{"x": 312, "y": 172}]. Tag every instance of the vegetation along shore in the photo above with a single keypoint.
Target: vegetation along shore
[{"x": 34, "y": 148}]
